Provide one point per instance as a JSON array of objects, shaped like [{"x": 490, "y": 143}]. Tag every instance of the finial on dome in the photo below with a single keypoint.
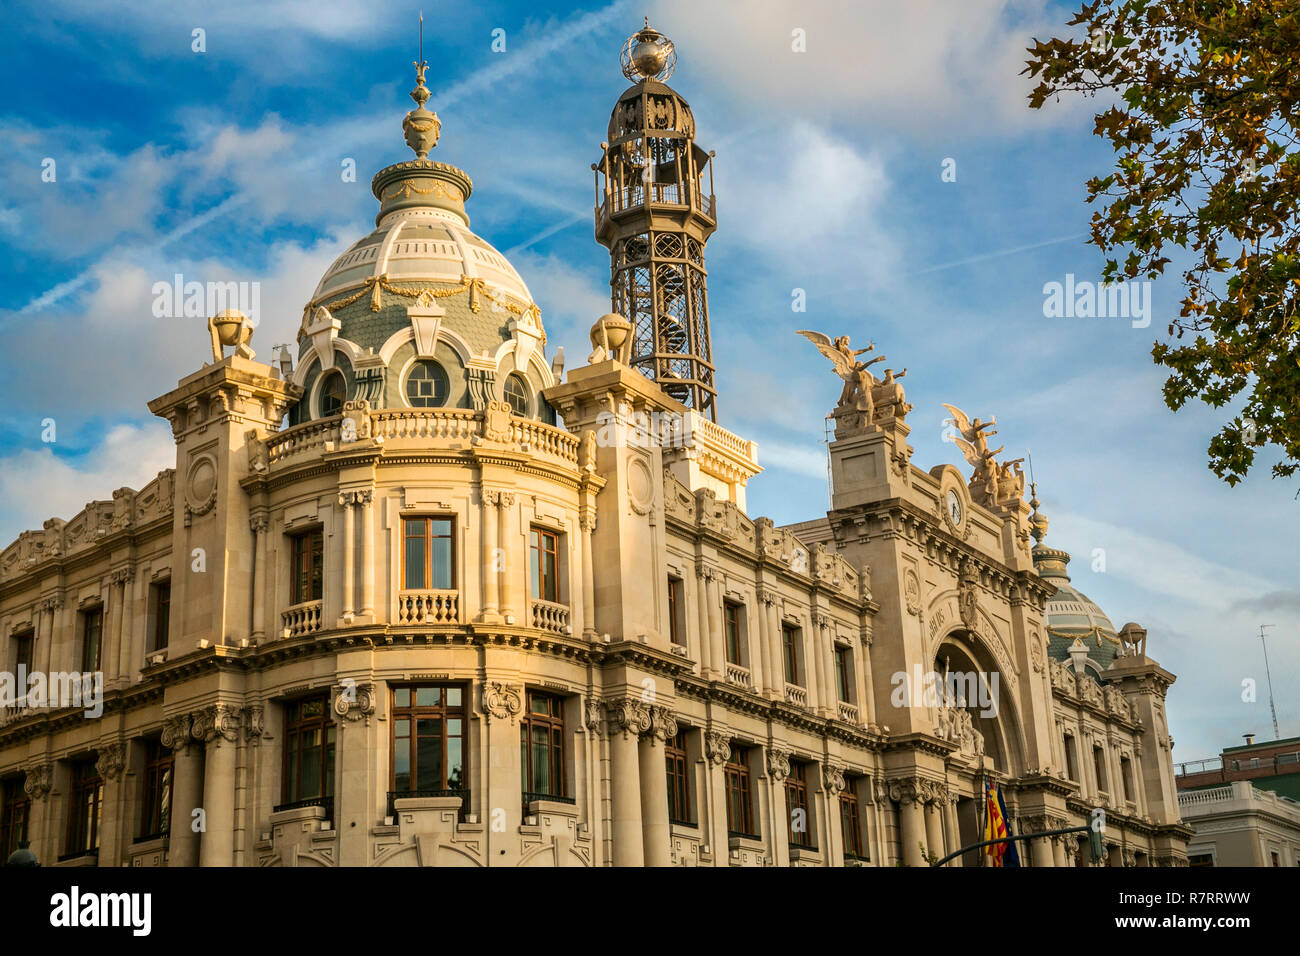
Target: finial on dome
[
  {"x": 421, "y": 125},
  {"x": 1037, "y": 522},
  {"x": 648, "y": 54}
]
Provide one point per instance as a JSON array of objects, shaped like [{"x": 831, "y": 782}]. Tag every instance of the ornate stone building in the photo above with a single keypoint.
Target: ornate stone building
[{"x": 420, "y": 598}]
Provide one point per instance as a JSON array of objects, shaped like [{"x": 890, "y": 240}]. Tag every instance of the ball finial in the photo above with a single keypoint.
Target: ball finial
[{"x": 648, "y": 54}]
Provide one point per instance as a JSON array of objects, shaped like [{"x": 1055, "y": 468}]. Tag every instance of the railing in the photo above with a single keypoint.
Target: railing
[
  {"x": 544, "y": 438},
  {"x": 302, "y": 438},
  {"x": 848, "y": 712},
  {"x": 301, "y": 619},
  {"x": 716, "y": 433},
  {"x": 395, "y": 795},
  {"x": 326, "y": 802},
  {"x": 446, "y": 423},
  {"x": 635, "y": 195},
  {"x": 428, "y": 607},
  {"x": 1189, "y": 798},
  {"x": 1199, "y": 766},
  {"x": 738, "y": 675},
  {"x": 796, "y": 695},
  {"x": 531, "y": 797},
  {"x": 549, "y": 616}
]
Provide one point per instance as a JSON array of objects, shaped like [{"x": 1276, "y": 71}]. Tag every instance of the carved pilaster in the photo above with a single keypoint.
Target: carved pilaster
[
  {"x": 109, "y": 763},
  {"x": 216, "y": 723},
  {"x": 254, "y": 723},
  {"x": 663, "y": 723},
  {"x": 833, "y": 779},
  {"x": 778, "y": 763},
  {"x": 630, "y": 716},
  {"x": 354, "y": 701},
  {"x": 39, "y": 779},
  {"x": 176, "y": 732},
  {"x": 502, "y": 700},
  {"x": 594, "y": 716}
]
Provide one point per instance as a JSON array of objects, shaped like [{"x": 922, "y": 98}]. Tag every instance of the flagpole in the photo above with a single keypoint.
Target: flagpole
[{"x": 983, "y": 803}]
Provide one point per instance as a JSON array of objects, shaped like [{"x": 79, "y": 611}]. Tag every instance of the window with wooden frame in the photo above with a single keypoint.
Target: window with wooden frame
[
  {"x": 1071, "y": 761},
  {"x": 541, "y": 747},
  {"x": 15, "y": 809},
  {"x": 306, "y": 580},
  {"x": 428, "y": 553},
  {"x": 679, "y": 788},
  {"x": 740, "y": 814},
  {"x": 790, "y": 636},
  {"x": 732, "y": 616},
  {"x": 160, "y": 601},
  {"x": 156, "y": 792},
  {"x": 85, "y": 806},
  {"x": 309, "y": 736},
  {"x": 798, "y": 815},
  {"x": 844, "y": 672},
  {"x": 851, "y": 822},
  {"x": 24, "y": 644},
  {"x": 1126, "y": 777},
  {"x": 429, "y": 741},
  {"x": 1099, "y": 767},
  {"x": 676, "y": 610},
  {"x": 544, "y": 565},
  {"x": 92, "y": 639}
]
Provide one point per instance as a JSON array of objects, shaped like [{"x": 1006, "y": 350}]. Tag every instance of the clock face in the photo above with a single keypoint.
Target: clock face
[{"x": 954, "y": 507}]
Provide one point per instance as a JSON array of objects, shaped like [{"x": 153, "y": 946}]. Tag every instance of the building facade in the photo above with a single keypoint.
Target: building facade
[
  {"x": 1238, "y": 824},
  {"x": 423, "y": 598}
]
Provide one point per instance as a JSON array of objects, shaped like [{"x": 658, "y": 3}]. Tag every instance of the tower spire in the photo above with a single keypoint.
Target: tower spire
[
  {"x": 421, "y": 126},
  {"x": 655, "y": 212}
]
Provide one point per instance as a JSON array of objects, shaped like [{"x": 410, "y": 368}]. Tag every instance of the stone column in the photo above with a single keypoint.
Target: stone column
[
  {"x": 187, "y": 790},
  {"x": 655, "y": 827},
  {"x": 717, "y": 650},
  {"x": 1058, "y": 847},
  {"x": 357, "y": 795},
  {"x": 825, "y": 654},
  {"x": 628, "y": 720},
  {"x": 36, "y": 784},
  {"x": 717, "y": 750},
  {"x": 114, "y": 820},
  {"x": 346, "y": 500},
  {"x": 771, "y": 686},
  {"x": 934, "y": 844},
  {"x": 506, "y": 501},
  {"x": 257, "y": 524},
  {"x": 952, "y": 827},
  {"x": 366, "y": 499},
  {"x": 587, "y": 524},
  {"x": 833, "y": 785},
  {"x": 487, "y": 562},
  {"x": 218, "y": 726},
  {"x": 703, "y": 574},
  {"x": 1042, "y": 851},
  {"x": 124, "y": 624},
  {"x": 777, "y": 651},
  {"x": 911, "y": 825},
  {"x": 780, "y": 824}
]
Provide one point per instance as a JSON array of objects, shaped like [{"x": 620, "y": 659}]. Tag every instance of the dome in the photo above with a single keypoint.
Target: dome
[
  {"x": 421, "y": 312},
  {"x": 1071, "y": 615}
]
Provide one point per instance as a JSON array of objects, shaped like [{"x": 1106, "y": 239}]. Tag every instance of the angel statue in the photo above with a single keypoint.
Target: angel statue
[
  {"x": 974, "y": 445},
  {"x": 855, "y": 402}
]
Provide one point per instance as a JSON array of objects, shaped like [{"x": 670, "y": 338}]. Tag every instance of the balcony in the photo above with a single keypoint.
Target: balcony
[
  {"x": 738, "y": 676},
  {"x": 300, "y": 619},
  {"x": 395, "y": 795},
  {"x": 848, "y": 712},
  {"x": 428, "y": 607},
  {"x": 326, "y": 803},
  {"x": 637, "y": 194},
  {"x": 796, "y": 695},
  {"x": 549, "y": 616}
]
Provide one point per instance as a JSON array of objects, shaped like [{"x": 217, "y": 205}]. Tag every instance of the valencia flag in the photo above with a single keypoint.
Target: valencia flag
[{"x": 996, "y": 827}]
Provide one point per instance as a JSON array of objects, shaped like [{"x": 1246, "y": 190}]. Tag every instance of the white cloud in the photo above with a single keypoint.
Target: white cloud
[{"x": 41, "y": 483}]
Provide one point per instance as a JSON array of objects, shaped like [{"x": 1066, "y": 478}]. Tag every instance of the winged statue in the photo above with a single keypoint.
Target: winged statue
[{"x": 855, "y": 402}]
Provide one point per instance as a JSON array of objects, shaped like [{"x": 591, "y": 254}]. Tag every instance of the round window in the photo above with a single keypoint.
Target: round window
[
  {"x": 516, "y": 393},
  {"x": 427, "y": 386},
  {"x": 333, "y": 392}
]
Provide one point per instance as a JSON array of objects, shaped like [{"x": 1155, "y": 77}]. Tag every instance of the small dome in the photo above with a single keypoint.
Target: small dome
[{"x": 1071, "y": 614}]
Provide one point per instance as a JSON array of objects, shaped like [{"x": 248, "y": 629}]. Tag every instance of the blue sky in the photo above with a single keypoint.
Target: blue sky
[{"x": 225, "y": 164}]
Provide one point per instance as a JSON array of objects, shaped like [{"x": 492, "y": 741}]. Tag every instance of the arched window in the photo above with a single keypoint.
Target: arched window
[
  {"x": 516, "y": 393},
  {"x": 427, "y": 386},
  {"x": 333, "y": 392}
]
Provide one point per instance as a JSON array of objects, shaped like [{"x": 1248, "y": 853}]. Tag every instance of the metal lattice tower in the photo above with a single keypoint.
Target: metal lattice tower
[{"x": 654, "y": 215}]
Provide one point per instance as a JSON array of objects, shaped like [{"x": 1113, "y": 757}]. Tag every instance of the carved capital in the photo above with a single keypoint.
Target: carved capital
[
  {"x": 216, "y": 723},
  {"x": 176, "y": 732},
  {"x": 353, "y": 701},
  {"x": 778, "y": 763},
  {"x": 833, "y": 778},
  {"x": 505, "y": 499},
  {"x": 766, "y": 596},
  {"x": 594, "y": 714},
  {"x": 39, "y": 779},
  {"x": 502, "y": 700},
  {"x": 663, "y": 723},
  {"x": 258, "y": 524},
  {"x": 630, "y": 716},
  {"x": 110, "y": 761},
  {"x": 717, "y": 746},
  {"x": 254, "y": 723}
]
